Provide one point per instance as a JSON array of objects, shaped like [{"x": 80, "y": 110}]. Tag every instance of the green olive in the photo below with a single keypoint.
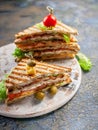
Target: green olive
[
  {"x": 40, "y": 95},
  {"x": 53, "y": 90},
  {"x": 31, "y": 63}
]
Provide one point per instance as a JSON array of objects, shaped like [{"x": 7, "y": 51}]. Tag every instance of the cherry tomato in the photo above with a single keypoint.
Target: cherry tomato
[{"x": 49, "y": 21}]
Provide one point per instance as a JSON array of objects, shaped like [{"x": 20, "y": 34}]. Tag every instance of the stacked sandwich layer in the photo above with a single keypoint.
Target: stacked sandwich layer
[
  {"x": 48, "y": 43},
  {"x": 19, "y": 84}
]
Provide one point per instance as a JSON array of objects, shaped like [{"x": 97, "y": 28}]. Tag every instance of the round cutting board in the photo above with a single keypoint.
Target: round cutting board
[{"x": 29, "y": 106}]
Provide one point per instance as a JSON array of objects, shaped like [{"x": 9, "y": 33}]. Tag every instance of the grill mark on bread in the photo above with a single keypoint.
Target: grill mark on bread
[
  {"x": 21, "y": 64},
  {"x": 8, "y": 83},
  {"x": 60, "y": 27},
  {"x": 45, "y": 82},
  {"x": 52, "y": 66},
  {"x": 20, "y": 82},
  {"x": 19, "y": 78},
  {"x": 17, "y": 68},
  {"x": 55, "y": 67},
  {"x": 35, "y": 39},
  {"x": 40, "y": 79},
  {"x": 41, "y": 68},
  {"x": 19, "y": 73}
]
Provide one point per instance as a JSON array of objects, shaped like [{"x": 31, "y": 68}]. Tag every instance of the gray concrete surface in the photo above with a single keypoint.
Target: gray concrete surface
[{"x": 81, "y": 113}]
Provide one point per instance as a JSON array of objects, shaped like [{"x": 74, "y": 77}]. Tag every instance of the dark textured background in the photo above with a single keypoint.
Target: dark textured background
[{"x": 81, "y": 113}]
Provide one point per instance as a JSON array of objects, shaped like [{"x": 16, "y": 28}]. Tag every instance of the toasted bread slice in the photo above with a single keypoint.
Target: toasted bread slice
[
  {"x": 19, "y": 84},
  {"x": 38, "y": 31}
]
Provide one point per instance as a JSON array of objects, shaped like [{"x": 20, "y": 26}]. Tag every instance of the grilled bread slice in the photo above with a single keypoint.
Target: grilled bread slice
[
  {"x": 19, "y": 84},
  {"x": 37, "y": 30}
]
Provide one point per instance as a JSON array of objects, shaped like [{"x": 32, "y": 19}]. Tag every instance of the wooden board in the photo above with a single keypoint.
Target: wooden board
[{"x": 29, "y": 106}]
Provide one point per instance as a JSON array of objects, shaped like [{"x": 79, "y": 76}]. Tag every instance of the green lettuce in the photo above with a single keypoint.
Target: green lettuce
[
  {"x": 66, "y": 38},
  {"x": 2, "y": 90},
  {"x": 18, "y": 53},
  {"x": 84, "y": 62},
  {"x": 43, "y": 28}
]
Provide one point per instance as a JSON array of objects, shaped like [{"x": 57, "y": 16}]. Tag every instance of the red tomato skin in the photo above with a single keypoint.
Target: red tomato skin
[{"x": 49, "y": 21}]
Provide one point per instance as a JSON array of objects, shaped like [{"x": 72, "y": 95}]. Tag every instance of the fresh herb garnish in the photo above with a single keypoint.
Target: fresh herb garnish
[
  {"x": 18, "y": 53},
  {"x": 43, "y": 28},
  {"x": 66, "y": 38},
  {"x": 84, "y": 62},
  {"x": 3, "y": 89}
]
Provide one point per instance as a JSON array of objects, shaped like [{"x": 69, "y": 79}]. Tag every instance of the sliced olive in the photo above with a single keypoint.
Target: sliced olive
[
  {"x": 31, "y": 63},
  {"x": 40, "y": 95},
  {"x": 53, "y": 90}
]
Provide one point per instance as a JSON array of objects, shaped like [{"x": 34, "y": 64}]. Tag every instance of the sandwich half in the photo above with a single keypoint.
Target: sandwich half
[
  {"x": 20, "y": 84},
  {"x": 48, "y": 43}
]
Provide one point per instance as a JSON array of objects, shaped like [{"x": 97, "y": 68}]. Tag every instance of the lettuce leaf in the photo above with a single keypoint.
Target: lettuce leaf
[
  {"x": 43, "y": 28},
  {"x": 66, "y": 38},
  {"x": 85, "y": 62},
  {"x": 18, "y": 53},
  {"x": 2, "y": 90}
]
